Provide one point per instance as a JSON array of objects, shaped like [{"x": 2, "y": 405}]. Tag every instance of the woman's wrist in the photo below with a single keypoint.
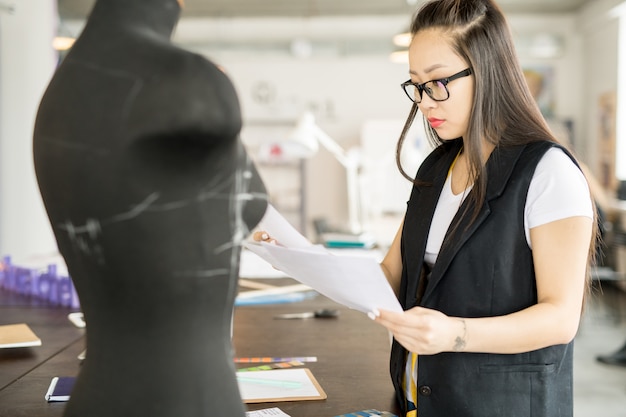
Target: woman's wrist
[{"x": 460, "y": 341}]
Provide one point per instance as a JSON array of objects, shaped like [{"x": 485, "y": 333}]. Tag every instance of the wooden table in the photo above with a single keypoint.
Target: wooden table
[{"x": 352, "y": 352}]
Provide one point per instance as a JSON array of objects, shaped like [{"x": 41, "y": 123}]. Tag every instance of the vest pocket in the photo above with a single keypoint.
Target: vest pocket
[{"x": 529, "y": 389}]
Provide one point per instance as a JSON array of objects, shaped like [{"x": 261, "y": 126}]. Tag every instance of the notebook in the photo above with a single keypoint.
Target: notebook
[
  {"x": 60, "y": 388},
  {"x": 17, "y": 335}
]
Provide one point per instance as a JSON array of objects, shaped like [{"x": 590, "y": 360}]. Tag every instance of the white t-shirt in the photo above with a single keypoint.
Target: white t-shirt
[{"x": 558, "y": 190}]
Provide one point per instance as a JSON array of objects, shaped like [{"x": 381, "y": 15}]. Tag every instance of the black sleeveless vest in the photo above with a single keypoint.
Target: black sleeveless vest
[{"x": 486, "y": 270}]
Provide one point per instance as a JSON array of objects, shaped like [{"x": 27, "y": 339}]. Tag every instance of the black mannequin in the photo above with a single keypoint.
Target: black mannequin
[{"x": 149, "y": 193}]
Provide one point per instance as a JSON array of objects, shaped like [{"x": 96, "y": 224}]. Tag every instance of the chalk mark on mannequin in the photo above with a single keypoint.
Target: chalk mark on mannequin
[
  {"x": 138, "y": 209},
  {"x": 85, "y": 237}
]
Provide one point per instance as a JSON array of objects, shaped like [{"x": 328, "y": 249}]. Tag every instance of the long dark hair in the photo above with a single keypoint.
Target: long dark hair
[{"x": 504, "y": 111}]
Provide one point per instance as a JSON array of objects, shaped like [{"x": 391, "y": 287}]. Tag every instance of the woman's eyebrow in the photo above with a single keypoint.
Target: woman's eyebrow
[{"x": 428, "y": 70}]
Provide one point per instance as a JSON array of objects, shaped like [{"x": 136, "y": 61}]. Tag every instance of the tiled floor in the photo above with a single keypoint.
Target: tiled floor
[{"x": 599, "y": 389}]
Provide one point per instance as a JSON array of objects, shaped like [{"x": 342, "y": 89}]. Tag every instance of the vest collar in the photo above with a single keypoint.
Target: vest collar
[{"x": 499, "y": 169}]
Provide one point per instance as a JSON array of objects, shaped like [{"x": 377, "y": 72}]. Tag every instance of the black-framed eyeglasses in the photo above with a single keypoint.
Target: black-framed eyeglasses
[{"x": 436, "y": 89}]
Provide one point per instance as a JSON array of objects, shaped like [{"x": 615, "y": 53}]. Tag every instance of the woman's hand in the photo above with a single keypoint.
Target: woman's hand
[
  {"x": 425, "y": 331},
  {"x": 263, "y": 236}
]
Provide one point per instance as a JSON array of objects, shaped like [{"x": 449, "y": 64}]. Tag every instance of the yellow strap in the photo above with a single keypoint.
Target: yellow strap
[
  {"x": 411, "y": 380},
  {"x": 454, "y": 162},
  {"x": 414, "y": 376}
]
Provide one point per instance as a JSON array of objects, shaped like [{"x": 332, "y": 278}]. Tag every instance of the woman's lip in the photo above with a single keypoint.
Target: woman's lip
[{"x": 435, "y": 122}]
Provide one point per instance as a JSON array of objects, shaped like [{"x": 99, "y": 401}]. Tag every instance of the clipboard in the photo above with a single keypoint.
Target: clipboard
[{"x": 279, "y": 385}]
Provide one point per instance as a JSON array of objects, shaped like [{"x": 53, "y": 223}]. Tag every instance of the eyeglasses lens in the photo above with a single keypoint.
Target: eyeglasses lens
[{"x": 435, "y": 90}]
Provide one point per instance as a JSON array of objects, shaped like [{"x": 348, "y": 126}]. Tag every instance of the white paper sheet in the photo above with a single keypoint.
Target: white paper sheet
[
  {"x": 267, "y": 412},
  {"x": 354, "y": 281},
  {"x": 281, "y": 230}
]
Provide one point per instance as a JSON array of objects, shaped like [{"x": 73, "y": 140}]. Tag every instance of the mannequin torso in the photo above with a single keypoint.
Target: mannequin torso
[{"x": 149, "y": 192}]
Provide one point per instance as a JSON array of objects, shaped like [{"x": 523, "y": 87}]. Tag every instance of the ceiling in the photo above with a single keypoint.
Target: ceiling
[
  {"x": 79, "y": 9},
  {"x": 297, "y": 27}
]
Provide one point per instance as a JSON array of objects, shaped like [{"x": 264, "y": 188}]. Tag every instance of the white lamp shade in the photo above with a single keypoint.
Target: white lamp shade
[{"x": 302, "y": 139}]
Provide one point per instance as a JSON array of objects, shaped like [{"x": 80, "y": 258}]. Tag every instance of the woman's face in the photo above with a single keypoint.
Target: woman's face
[{"x": 432, "y": 58}]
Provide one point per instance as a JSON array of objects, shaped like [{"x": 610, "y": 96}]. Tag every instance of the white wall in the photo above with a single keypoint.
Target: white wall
[
  {"x": 344, "y": 91},
  {"x": 341, "y": 87},
  {"x": 347, "y": 90},
  {"x": 599, "y": 31},
  {"x": 566, "y": 64},
  {"x": 27, "y": 61}
]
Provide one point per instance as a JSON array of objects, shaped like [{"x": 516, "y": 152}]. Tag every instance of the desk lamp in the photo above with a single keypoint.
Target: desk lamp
[{"x": 308, "y": 136}]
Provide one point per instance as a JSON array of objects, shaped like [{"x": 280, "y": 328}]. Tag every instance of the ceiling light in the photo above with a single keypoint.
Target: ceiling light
[
  {"x": 402, "y": 39},
  {"x": 301, "y": 48},
  {"x": 399, "y": 57}
]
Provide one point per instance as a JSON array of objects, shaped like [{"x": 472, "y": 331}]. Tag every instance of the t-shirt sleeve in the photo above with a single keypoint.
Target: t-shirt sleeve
[{"x": 558, "y": 190}]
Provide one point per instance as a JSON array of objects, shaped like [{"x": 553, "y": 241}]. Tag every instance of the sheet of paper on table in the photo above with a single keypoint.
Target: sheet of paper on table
[
  {"x": 267, "y": 412},
  {"x": 355, "y": 281}
]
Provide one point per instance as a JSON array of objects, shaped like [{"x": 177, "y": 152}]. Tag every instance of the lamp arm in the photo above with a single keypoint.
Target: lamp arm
[{"x": 333, "y": 147}]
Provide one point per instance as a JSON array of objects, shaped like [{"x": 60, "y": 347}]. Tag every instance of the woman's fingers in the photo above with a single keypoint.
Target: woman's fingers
[{"x": 261, "y": 236}]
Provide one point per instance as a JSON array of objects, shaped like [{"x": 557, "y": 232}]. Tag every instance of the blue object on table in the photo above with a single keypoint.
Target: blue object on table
[{"x": 276, "y": 298}]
